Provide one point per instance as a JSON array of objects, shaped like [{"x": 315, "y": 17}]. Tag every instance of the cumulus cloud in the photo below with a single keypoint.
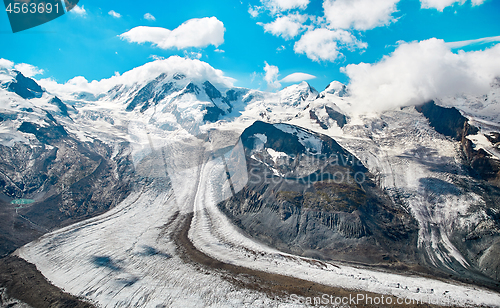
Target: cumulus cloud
[
  {"x": 276, "y": 6},
  {"x": 271, "y": 76},
  {"x": 288, "y": 26},
  {"x": 440, "y": 5},
  {"x": 192, "y": 54},
  {"x": 28, "y": 70},
  {"x": 114, "y": 14},
  {"x": 325, "y": 36},
  {"x": 359, "y": 14},
  {"x": 148, "y": 16},
  {"x": 254, "y": 11},
  {"x": 323, "y": 44},
  {"x": 6, "y": 64},
  {"x": 297, "y": 77},
  {"x": 79, "y": 10},
  {"x": 477, "y": 2},
  {"x": 156, "y": 57},
  {"x": 417, "y": 72},
  {"x": 195, "y": 69},
  {"x": 196, "y": 32}
]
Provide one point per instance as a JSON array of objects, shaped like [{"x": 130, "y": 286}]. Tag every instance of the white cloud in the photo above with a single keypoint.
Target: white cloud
[
  {"x": 148, "y": 16},
  {"x": 326, "y": 35},
  {"x": 477, "y": 2},
  {"x": 323, "y": 44},
  {"x": 480, "y": 41},
  {"x": 195, "y": 69},
  {"x": 359, "y": 14},
  {"x": 192, "y": 54},
  {"x": 271, "y": 76},
  {"x": 440, "y": 5},
  {"x": 6, "y": 64},
  {"x": 155, "y": 57},
  {"x": 114, "y": 14},
  {"x": 296, "y": 77},
  {"x": 288, "y": 26},
  {"x": 417, "y": 72},
  {"x": 79, "y": 10},
  {"x": 28, "y": 70},
  {"x": 219, "y": 50},
  {"x": 192, "y": 33},
  {"x": 276, "y": 6},
  {"x": 254, "y": 11}
]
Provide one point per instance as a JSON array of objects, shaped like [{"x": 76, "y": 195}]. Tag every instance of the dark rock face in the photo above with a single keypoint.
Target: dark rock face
[
  {"x": 191, "y": 88},
  {"x": 212, "y": 114},
  {"x": 320, "y": 205},
  {"x": 43, "y": 134},
  {"x": 493, "y": 137},
  {"x": 211, "y": 91},
  {"x": 63, "y": 109},
  {"x": 25, "y": 87},
  {"x": 232, "y": 95},
  {"x": 447, "y": 121},
  {"x": 278, "y": 140},
  {"x": 314, "y": 117},
  {"x": 336, "y": 116},
  {"x": 486, "y": 167}
]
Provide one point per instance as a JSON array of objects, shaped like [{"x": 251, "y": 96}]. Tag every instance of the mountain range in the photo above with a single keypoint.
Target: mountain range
[{"x": 99, "y": 181}]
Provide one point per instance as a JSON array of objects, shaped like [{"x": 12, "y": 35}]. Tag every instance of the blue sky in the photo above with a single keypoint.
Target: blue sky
[{"x": 89, "y": 41}]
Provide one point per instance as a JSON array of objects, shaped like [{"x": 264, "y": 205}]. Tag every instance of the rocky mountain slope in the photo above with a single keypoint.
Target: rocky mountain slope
[
  {"x": 49, "y": 177},
  {"x": 308, "y": 196}
]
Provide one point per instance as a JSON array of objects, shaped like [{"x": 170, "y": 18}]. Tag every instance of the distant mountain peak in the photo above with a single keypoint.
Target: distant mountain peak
[
  {"x": 336, "y": 88},
  {"x": 23, "y": 86},
  {"x": 297, "y": 94}
]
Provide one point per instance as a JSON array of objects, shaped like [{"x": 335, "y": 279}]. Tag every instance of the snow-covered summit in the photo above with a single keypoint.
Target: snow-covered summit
[
  {"x": 194, "y": 70},
  {"x": 337, "y": 88},
  {"x": 298, "y": 94}
]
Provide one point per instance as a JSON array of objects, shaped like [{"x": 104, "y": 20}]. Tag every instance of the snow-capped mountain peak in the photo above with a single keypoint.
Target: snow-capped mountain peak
[
  {"x": 298, "y": 94},
  {"x": 16, "y": 82},
  {"x": 336, "y": 88}
]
